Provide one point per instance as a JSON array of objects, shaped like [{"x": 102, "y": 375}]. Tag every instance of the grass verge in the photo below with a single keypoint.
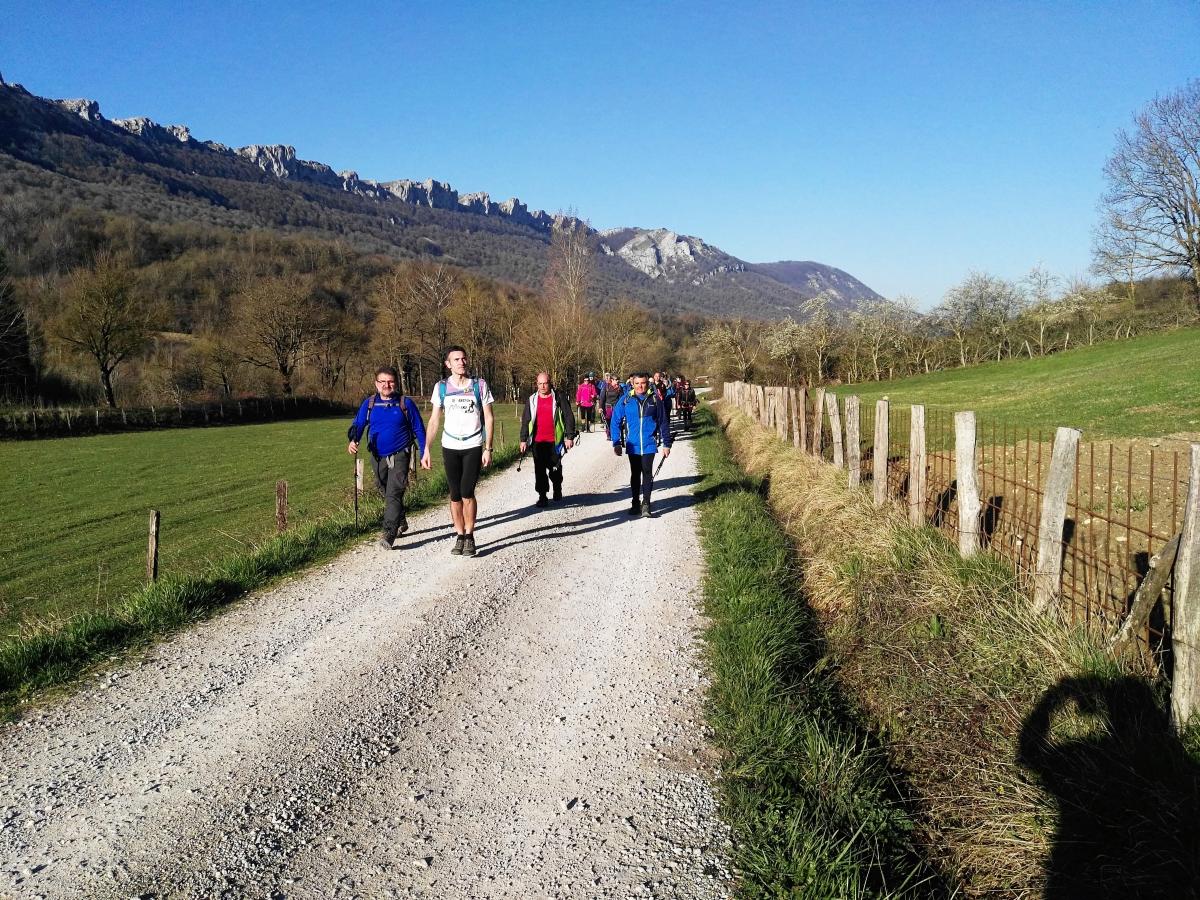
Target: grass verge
[
  {"x": 814, "y": 809},
  {"x": 1041, "y": 766},
  {"x": 53, "y": 652}
]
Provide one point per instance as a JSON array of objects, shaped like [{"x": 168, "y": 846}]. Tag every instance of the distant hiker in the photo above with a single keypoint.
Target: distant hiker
[
  {"x": 686, "y": 398},
  {"x": 394, "y": 424},
  {"x": 646, "y": 418},
  {"x": 664, "y": 391},
  {"x": 466, "y": 442},
  {"x": 585, "y": 396},
  {"x": 549, "y": 424}
]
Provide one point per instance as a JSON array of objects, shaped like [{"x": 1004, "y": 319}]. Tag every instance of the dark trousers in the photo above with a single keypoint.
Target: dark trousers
[
  {"x": 641, "y": 475},
  {"x": 547, "y": 468},
  {"x": 392, "y": 481}
]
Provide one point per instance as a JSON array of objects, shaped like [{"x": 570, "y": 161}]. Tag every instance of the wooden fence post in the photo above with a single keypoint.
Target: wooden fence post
[
  {"x": 802, "y": 416},
  {"x": 1047, "y": 578},
  {"x": 152, "y": 547},
  {"x": 500, "y": 422},
  {"x": 916, "y": 466},
  {"x": 1185, "y": 607},
  {"x": 762, "y": 405},
  {"x": 853, "y": 441},
  {"x": 879, "y": 453},
  {"x": 797, "y": 416},
  {"x": 967, "y": 483},
  {"x": 835, "y": 429},
  {"x": 818, "y": 412},
  {"x": 782, "y": 425},
  {"x": 281, "y": 506}
]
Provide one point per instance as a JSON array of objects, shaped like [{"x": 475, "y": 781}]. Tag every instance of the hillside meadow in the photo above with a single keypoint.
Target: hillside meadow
[
  {"x": 74, "y": 511},
  {"x": 1145, "y": 387}
]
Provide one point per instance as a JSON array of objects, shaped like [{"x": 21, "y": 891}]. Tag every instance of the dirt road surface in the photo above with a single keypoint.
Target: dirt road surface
[{"x": 402, "y": 723}]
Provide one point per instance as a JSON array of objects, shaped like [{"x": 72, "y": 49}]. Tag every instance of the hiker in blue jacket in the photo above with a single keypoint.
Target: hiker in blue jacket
[
  {"x": 393, "y": 424},
  {"x": 648, "y": 427}
]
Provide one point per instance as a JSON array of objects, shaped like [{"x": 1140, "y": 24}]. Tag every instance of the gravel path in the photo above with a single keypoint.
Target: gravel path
[{"x": 406, "y": 723}]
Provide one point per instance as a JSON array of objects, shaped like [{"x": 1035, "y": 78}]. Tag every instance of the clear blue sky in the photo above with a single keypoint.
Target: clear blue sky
[{"x": 904, "y": 143}]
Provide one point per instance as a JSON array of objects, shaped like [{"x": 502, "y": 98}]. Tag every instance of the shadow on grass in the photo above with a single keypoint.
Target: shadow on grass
[{"x": 1128, "y": 792}]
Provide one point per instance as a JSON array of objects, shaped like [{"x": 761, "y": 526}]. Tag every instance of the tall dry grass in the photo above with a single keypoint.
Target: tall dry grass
[{"x": 1004, "y": 721}]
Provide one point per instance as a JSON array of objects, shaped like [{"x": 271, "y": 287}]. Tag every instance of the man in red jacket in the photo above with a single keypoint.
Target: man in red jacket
[{"x": 548, "y": 423}]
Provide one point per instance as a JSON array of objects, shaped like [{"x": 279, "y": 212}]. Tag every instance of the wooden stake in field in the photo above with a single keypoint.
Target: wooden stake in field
[
  {"x": 281, "y": 506},
  {"x": 1185, "y": 609},
  {"x": 835, "y": 429},
  {"x": 916, "y": 467},
  {"x": 879, "y": 453},
  {"x": 797, "y": 416},
  {"x": 969, "y": 508},
  {"x": 1047, "y": 579},
  {"x": 152, "y": 547},
  {"x": 818, "y": 412},
  {"x": 802, "y": 415},
  {"x": 853, "y": 441}
]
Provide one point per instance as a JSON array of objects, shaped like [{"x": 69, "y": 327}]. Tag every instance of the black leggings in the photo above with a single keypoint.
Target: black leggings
[
  {"x": 641, "y": 475},
  {"x": 462, "y": 471}
]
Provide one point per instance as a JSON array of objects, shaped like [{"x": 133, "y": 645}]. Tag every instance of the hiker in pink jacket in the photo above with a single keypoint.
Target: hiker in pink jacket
[{"x": 585, "y": 396}]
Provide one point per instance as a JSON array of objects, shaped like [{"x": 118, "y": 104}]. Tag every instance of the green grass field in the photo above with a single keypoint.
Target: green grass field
[
  {"x": 1145, "y": 387},
  {"x": 73, "y": 512}
]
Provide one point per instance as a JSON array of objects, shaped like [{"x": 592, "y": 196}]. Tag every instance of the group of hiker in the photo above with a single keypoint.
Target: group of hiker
[{"x": 636, "y": 415}]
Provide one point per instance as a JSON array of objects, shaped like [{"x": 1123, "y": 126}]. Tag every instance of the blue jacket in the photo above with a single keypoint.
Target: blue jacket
[
  {"x": 648, "y": 424},
  {"x": 393, "y": 427}
]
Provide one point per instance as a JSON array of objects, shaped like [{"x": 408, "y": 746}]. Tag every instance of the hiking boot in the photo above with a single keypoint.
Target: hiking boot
[
  {"x": 635, "y": 509},
  {"x": 541, "y": 500},
  {"x": 645, "y": 509},
  {"x": 557, "y": 492},
  {"x": 385, "y": 540},
  {"x": 468, "y": 545},
  {"x": 460, "y": 541}
]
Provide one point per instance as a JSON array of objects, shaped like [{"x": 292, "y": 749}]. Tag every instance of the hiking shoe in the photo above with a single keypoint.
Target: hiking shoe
[
  {"x": 635, "y": 509},
  {"x": 541, "y": 500},
  {"x": 645, "y": 509},
  {"x": 557, "y": 492},
  {"x": 385, "y": 540},
  {"x": 460, "y": 541},
  {"x": 468, "y": 545},
  {"x": 403, "y": 526}
]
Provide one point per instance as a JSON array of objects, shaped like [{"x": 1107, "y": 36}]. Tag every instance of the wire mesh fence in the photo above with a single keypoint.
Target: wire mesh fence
[{"x": 1124, "y": 505}]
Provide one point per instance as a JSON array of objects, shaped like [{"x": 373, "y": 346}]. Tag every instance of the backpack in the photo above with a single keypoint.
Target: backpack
[{"x": 478, "y": 406}]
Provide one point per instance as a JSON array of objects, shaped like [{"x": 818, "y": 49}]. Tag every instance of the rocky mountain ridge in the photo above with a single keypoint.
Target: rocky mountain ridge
[{"x": 661, "y": 267}]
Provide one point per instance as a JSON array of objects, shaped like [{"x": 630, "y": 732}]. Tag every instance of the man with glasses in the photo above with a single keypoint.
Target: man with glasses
[
  {"x": 466, "y": 403},
  {"x": 394, "y": 424}
]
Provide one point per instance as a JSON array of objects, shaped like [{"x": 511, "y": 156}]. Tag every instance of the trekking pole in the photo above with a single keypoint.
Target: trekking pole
[
  {"x": 658, "y": 468},
  {"x": 354, "y": 488}
]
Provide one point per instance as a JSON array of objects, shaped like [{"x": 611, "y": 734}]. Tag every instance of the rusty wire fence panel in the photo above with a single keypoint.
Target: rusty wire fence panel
[{"x": 1125, "y": 505}]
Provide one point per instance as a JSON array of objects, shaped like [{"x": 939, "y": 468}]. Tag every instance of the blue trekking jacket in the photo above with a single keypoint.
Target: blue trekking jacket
[
  {"x": 647, "y": 421},
  {"x": 395, "y": 424}
]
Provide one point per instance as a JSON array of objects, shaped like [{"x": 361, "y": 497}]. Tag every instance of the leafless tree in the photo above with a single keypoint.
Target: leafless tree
[
  {"x": 105, "y": 318},
  {"x": 733, "y": 348},
  {"x": 821, "y": 330},
  {"x": 1151, "y": 210},
  {"x": 15, "y": 363},
  {"x": 277, "y": 323}
]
